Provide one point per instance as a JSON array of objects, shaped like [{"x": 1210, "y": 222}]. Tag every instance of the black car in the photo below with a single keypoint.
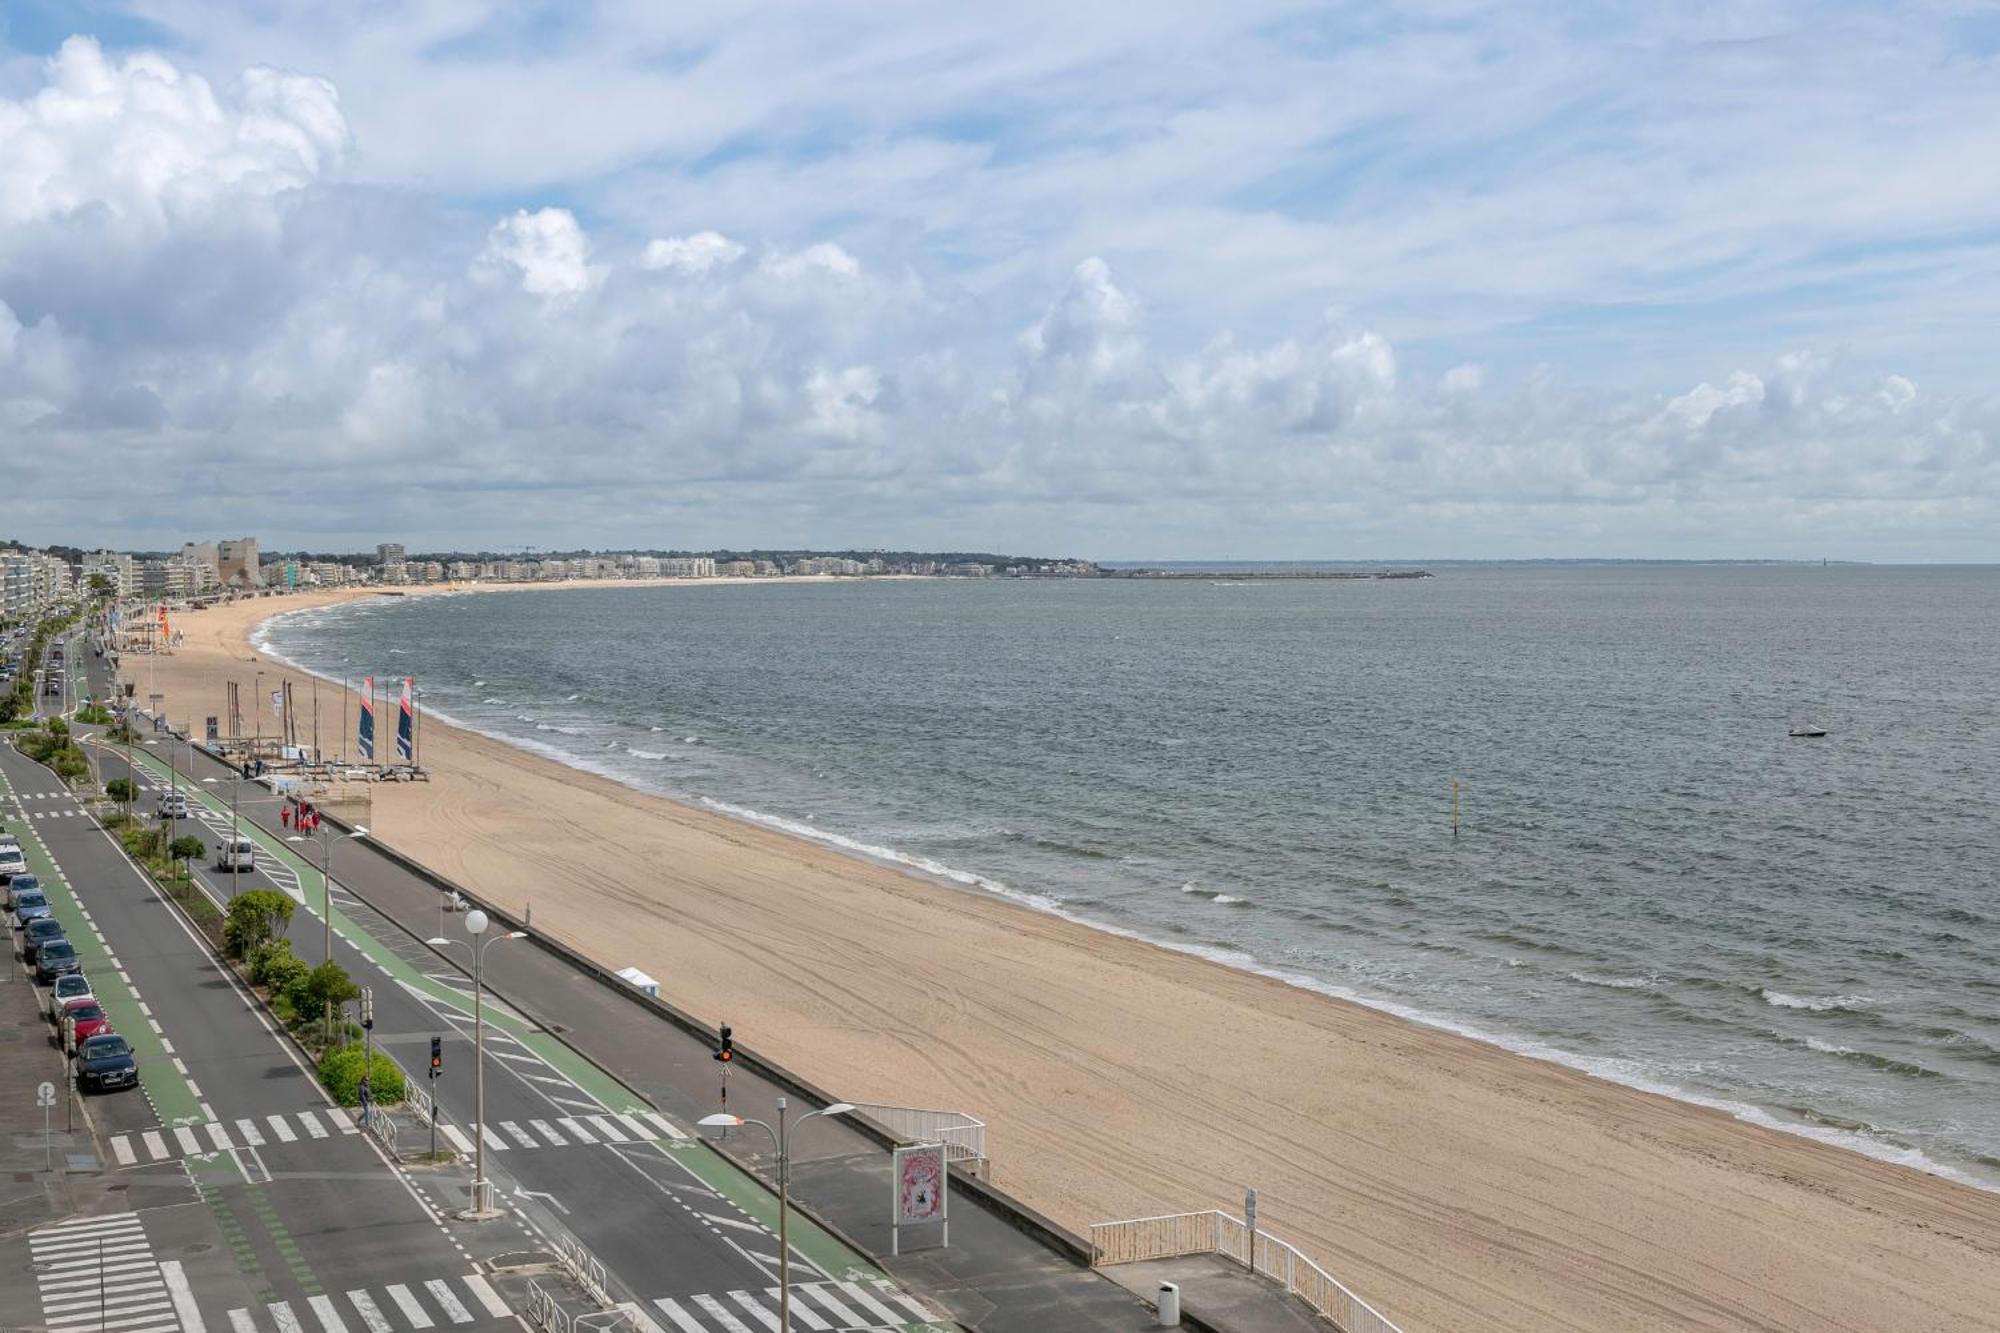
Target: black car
[
  {"x": 105, "y": 1062},
  {"x": 57, "y": 958},
  {"x": 39, "y": 932}
]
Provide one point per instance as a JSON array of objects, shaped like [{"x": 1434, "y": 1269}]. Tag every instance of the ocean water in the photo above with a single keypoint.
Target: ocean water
[{"x": 1651, "y": 880}]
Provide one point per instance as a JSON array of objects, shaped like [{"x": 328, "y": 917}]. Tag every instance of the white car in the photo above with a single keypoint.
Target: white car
[
  {"x": 236, "y": 854},
  {"x": 74, "y": 986},
  {"x": 173, "y": 805},
  {"x": 12, "y": 863}
]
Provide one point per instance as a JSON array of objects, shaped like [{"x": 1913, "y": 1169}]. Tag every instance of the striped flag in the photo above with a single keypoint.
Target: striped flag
[
  {"x": 368, "y": 717},
  {"x": 405, "y": 723}
]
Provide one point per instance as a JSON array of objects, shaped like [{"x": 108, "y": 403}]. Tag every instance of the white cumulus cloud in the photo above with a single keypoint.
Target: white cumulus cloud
[
  {"x": 698, "y": 253},
  {"x": 545, "y": 250}
]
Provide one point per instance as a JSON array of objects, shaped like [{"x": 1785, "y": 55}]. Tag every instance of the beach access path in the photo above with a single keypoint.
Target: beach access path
[{"x": 1449, "y": 1182}]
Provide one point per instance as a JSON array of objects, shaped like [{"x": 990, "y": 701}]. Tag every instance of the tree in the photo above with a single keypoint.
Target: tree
[
  {"x": 255, "y": 917},
  {"x": 324, "y": 988},
  {"x": 185, "y": 848},
  {"x": 119, "y": 790}
]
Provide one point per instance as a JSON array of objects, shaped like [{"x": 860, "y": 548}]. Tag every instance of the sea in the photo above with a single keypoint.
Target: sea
[{"x": 1555, "y": 807}]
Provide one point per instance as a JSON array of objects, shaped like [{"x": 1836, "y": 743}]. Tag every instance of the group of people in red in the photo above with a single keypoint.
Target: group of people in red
[{"x": 300, "y": 815}]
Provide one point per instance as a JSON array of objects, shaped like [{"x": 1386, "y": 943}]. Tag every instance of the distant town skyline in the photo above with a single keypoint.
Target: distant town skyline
[{"x": 1248, "y": 281}]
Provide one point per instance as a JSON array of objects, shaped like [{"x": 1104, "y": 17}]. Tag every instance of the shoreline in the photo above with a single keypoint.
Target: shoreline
[
  {"x": 960, "y": 880},
  {"x": 1372, "y": 1052}
]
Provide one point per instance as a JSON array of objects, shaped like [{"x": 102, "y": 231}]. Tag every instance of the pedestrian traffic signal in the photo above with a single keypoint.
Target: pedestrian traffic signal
[
  {"x": 437, "y": 1056},
  {"x": 726, "y": 1052}
]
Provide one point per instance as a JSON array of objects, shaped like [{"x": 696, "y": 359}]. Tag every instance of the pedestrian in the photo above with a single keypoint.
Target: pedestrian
[
  {"x": 286, "y": 814},
  {"x": 367, "y": 1098}
]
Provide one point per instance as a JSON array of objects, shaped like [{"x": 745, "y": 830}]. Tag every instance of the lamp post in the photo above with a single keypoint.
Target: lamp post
[
  {"x": 235, "y": 833},
  {"x": 326, "y": 842},
  {"x": 476, "y": 923},
  {"x": 782, "y": 1137}
]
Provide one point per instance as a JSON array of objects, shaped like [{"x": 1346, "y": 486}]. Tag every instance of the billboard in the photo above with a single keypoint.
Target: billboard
[{"x": 920, "y": 1184}]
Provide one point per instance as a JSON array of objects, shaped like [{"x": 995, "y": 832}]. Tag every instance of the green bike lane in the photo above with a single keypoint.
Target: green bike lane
[{"x": 371, "y": 936}]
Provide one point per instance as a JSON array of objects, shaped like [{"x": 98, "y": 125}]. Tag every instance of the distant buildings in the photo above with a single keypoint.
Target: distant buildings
[
  {"x": 236, "y": 563},
  {"x": 32, "y": 582},
  {"x": 389, "y": 553}
]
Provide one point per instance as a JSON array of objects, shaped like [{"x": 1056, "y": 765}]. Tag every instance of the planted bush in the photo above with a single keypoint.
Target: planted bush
[{"x": 340, "y": 1070}]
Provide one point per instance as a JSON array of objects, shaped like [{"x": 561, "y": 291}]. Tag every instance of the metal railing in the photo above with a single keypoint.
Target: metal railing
[
  {"x": 1216, "y": 1232},
  {"x": 545, "y": 1311},
  {"x": 383, "y": 1126},
  {"x": 418, "y": 1101},
  {"x": 963, "y": 1137},
  {"x": 585, "y": 1267}
]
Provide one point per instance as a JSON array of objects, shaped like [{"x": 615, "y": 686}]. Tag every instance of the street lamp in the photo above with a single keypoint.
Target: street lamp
[
  {"x": 476, "y": 923},
  {"x": 782, "y": 1137},
  {"x": 326, "y": 842},
  {"x": 235, "y": 833}
]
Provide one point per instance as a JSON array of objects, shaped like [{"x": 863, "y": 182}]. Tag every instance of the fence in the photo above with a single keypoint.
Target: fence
[
  {"x": 1215, "y": 1232},
  {"x": 964, "y": 1138},
  {"x": 383, "y": 1126},
  {"x": 585, "y": 1268},
  {"x": 418, "y": 1101}
]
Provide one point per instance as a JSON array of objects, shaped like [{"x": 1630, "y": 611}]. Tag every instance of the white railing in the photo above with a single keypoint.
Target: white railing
[
  {"x": 1216, "y": 1232},
  {"x": 383, "y": 1126},
  {"x": 963, "y": 1137},
  {"x": 418, "y": 1101},
  {"x": 585, "y": 1268},
  {"x": 545, "y": 1310}
]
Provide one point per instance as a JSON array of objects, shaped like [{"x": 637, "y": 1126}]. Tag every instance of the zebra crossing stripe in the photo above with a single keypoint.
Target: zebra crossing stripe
[
  {"x": 718, "y": 1312},
  {"x": 458, "y": 1139},
  {"x": 183, "y": 1297},
  {"x": 493, "y": 1141},
  {"x": 803, "y": 1312},
  {"x": 155, "y": 1145},
  {"x": 857, "y": 1294},
  {"x": 547, "y": 1131},
  {"x": 248, "y": 1129},
  {"x": 329, "y": 1317},
  {"x": 412, "y": 1311},
  {"x": 287, "y": 1321},
  {"x": 87, "y": 1300},
  {"x": 281, "y": 1129},
  {"x": 672, "y": 1309},
  {"x": 126, "y": 1157},
  {"x": 312, "y": 1124},
  {"x": 638, "y": 1130},
  {"x": 751, "y": 1304},
  {"x": 370, "y": 1313},
  {"x": 220, "y": 1136},
  {"x": 847, "y": 1317},
  {"x": 440, "y": 1293},
  {"x": 189, "y": 1143},
  {"x": 103, "y": 1247},
  {"x": 342, "y": 1119},
  {"x": 515, "y": 1132},
  {"x": 578, "y": 1132},
  {"x": 666, "y": 1126},
  {"x": 603, "y": 1126},
  {"x": 241, "y": 1322},
  {"x": 914, "y": 1306},
  {"x": 486, "y": 1296}
]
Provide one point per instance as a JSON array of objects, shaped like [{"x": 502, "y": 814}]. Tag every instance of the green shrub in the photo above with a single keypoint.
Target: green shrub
[
  {"x": 277, "y": 970},
  {"x": 120, "y": 790},
  {"x": 327, "y": 984},
  {"x": 340, "y": 1071},
  {"x": 256, "y": 916}
]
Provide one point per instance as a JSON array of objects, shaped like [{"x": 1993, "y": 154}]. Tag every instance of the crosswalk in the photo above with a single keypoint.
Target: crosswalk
[
  {"x": 38, "y": 805},
  {"x": 870, "y": 1306},
  {"x": 567, "y": 1131},
  {"x": 158, "y": 1145},
  {"x": 395, "y": 1307},
  {"x": 98, "y": 1275}
]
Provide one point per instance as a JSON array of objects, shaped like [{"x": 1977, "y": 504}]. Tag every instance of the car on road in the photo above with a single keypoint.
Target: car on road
[
  {"x": 27, "y": 905},
  {"x": 17, "y": 884},
  {"x": 82, "y": 1020},
  {"x": 105, "y": 1062},
  {"x": 12, "y": 863},
  {"x": 54, "y": 958},
  {"x": 39, "y": 932},
  {"x": 172, "y": 805},
  {"x": 74, "y": 986},
  {"x": 236, "y": 854}
]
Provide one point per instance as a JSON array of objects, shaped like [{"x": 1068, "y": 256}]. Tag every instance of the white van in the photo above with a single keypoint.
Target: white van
[{"x": 236, "y": 854}]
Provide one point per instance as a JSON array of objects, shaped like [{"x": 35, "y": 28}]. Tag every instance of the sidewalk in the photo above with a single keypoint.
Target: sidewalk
[{"x": 1007, "y": 1270}]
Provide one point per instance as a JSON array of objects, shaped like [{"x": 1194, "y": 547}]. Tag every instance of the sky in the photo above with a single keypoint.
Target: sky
[{"x": 1123, "y": 281}]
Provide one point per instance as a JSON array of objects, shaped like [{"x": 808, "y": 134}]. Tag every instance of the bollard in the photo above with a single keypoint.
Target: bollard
[{"x": 1170, "y": 1305}]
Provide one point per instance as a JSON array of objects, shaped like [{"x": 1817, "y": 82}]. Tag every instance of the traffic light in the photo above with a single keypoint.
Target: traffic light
[
  {"x": 437, "y": 1056},
  {"x": 725, "y": 1052}
]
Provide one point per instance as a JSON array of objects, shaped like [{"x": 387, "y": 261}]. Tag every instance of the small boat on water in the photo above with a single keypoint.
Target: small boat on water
[{"x": 1806, "y": 730}]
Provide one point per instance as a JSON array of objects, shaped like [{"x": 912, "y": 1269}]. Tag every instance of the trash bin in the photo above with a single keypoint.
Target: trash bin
[{"x": 1170, "y": 1305}]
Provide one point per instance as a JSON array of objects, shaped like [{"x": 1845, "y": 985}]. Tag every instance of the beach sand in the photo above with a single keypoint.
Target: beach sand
[{"x": 1452, "y": 1184}]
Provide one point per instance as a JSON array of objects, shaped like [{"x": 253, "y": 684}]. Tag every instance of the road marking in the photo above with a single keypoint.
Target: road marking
[
  {"x": 189, "y": 1143},
  {"x": 341, "y": 1119},
  {"x": 123, "y": 1149},
  {"x": 751, "y": 1304},
  {"x": 220, "y": 1136},
  {"x": 287, "y": 1321},
  {"x": 106, "y": 1242},
  {"x": 604, "y": 1127},
  {"x": 155, "y": 1145},
  {"x": 846, "y": 1317},
  {"x": 458, "y": 1139},
  {"x": 520, "y": 1135},
  {"x": 312, "y": 1124},
  {"x": 666, "y": 1126},
  {"x": 281, "y": 1129},
  {"x": 547, "y": 1131},
  {"x": 581, "y": 1134},
  {"x": 408, "y": 1304},
  {"x": 737, "y": 1222},
  {"x": 329, "y": 1316},
  {"x": 673, "y": 1311},
  {"x": 85, "y": 1299},
  {"x": 241, "y": 1322},
  {"x": 856, "y": 1294},
  {"x": 183, "y": 1297},
  {"x": 448, "y": 1302},
  {"x": 493, "y": 1141},
  {"x": 800, "y": 1310},
  {"x": 248, "y": 1129},
  {"x": 914, "y": 1306},
  {"x": 638, "y": 1130},
  {"x": 721, "y": 1315},
  {"x": 487, "y": 1296},
  {"x": 371, "y": 1315}
]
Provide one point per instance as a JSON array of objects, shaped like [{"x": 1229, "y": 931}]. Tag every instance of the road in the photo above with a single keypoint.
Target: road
[{"x": 683, "y": 1235}]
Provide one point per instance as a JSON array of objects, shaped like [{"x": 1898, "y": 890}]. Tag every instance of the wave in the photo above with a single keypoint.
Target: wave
[
  {"x": 567, "y": 731},
  {"x": 647, "y": 754},
  {"x": 493, "y": 701},
  {"x": 1613, "y": 983},
  {"x": 1814, "y": 1003}
]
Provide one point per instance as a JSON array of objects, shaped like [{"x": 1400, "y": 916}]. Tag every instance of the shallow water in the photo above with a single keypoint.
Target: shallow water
[{"x": 1651, "y": 880}]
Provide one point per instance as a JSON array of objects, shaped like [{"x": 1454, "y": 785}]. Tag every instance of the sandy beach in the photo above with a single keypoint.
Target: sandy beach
[{"x": 1452, "y": 1184}]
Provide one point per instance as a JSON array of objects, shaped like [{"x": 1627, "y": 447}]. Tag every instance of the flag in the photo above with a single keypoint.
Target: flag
[
  {"x": 368, "y": 717},
  {"x": 277, "y": 703},
  {"x": 405, "y": 728}
]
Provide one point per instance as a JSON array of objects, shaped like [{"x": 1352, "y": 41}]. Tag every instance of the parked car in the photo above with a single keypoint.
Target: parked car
[
  {"x": 18, "y": 883},
  {"x": 105, "y": 1062},
  {"x": 12, "y": 863},
  {"x": 73, "y": 986},
  {"x": 39, "y": 932},
  {"x": 27, "y": 905},
  {"x": 53, "y": 959},
  {"x": 172, "y": 805},
  {"x": 82, "y": 1020},
  {"x": 236, "y": 854}
]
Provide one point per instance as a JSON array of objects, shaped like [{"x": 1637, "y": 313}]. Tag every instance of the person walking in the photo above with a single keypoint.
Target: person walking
[
  {"x": 367, "y": 1096},
  {"x": 285, "y": 814}
]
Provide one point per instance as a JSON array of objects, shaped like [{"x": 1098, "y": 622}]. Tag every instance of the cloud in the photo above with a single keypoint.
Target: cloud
[
  {"x": 546, "y": 250},
  {"x": 698, "y": 253}
]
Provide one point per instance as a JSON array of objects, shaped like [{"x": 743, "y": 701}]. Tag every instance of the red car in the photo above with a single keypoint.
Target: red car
[{"x": 82, "y": 1019}]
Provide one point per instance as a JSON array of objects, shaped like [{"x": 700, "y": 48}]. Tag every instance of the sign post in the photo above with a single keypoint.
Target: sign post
[
  {"x": 921, "y": 1185},
  {"x": 45, "y": 1097},
  {"x": 437, "y": 1068},
  {"x": 1250, "y": 1225}
]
